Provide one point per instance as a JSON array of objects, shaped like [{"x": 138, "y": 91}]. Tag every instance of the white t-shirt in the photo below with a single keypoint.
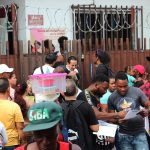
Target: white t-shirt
[
  {"x": 46, "y": 69},
  {"x": 3, "y": 133},
  {"x": 79, "y": 91}
]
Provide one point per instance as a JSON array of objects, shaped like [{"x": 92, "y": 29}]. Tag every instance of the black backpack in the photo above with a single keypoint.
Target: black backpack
[{"x": 75, "y": 125}]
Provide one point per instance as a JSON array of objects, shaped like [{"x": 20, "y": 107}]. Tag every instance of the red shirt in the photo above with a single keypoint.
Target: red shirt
[{"x": 146, "y": 89}]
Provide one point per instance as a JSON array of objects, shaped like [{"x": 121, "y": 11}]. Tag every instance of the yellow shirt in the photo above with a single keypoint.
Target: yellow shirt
[{"x": 10, "y": 113}]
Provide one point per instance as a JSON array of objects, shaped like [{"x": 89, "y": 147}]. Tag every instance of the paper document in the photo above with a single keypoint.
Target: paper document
[
  {"x": 106, "y": 129},
  {"x": 131, "y": 114}
]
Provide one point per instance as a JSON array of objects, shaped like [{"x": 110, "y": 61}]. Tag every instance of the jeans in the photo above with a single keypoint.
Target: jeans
[
  {"x": 133, "y": 142},
  {"x": 117, "y": 140}
]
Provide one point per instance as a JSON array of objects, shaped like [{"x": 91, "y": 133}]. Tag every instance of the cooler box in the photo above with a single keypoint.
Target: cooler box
[{"x": 48, "y": 83}]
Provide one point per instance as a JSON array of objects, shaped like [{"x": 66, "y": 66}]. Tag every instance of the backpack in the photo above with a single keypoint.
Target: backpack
[{"x": 74, "y": 126}]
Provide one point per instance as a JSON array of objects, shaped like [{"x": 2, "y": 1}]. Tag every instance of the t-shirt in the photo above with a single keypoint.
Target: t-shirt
[
  {"x": 89, "y": 117},
  {"x": 101, "y": 69},
  {"x": 10, "y": 113},
  {"x": 79, "y": 91},
  {"x": 133, "y": 99},
  {"x": 46, "y": 69},
  {"x": 104, "y": 98},
  {"x": 94, "y": 100},
  {"x": 146, "y": 89},
  {"x": 67, "y": 70},
  {"x": 131, "y": 80}
]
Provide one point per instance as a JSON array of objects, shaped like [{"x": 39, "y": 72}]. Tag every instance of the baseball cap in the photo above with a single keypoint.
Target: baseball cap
[
  {"x": 140, "y": 69},
  {"x": 5, "y": 68},
  {"x": 43, "y": 115}
]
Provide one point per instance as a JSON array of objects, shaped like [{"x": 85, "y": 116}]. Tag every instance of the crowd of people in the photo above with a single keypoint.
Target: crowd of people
[{"x": 68, "y": 119}]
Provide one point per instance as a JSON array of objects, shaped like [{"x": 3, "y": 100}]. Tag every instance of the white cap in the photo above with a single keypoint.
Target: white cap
[{"x": 5, "y": 68}]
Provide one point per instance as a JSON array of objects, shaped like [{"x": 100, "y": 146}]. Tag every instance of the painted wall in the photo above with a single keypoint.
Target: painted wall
[
  {"x": 21, "y": 17},
  {"x": 58, "y": 14}
]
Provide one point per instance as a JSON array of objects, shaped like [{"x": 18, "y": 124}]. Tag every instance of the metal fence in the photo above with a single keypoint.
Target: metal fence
[{"x": 122, "y": 56}]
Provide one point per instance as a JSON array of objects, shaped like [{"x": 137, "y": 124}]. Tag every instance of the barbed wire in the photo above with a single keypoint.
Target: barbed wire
[{"x": 117, "y": 23}]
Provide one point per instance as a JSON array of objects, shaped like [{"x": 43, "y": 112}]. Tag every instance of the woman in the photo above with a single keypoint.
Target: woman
[
  {"x": 21, "y": 92},
  {"x": 20, "y": 97},
  {"x": 12, "y": 81}
]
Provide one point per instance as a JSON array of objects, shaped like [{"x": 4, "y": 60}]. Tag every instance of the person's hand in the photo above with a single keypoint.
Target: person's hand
[
  {"x": 122, "y": 121},
  {"x": 72, "y": 73},
  {"x": 143, "y": 112},
  {"x": 122, "y": 114},
  {"x": 110, "y": 139}
]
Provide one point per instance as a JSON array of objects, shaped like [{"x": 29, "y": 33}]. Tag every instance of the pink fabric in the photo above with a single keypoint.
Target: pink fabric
[{"x": 140, "y": 69}]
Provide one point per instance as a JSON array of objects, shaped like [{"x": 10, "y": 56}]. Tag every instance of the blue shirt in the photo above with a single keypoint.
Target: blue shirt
[
  {"x": 131, "y": 80},
  {"x": 104, "y": 98}
]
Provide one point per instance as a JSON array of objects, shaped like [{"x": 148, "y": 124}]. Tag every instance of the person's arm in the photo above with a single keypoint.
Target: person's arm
[
  {"x": 19, "y": 121},
  {"x": 104, "y": 107},
  {"x": 20, "y": 126},
  {"x": 145, "y": 103},
  {"x": 145, "y": 112},
  {"x": 108, "y": 116},
  {"x": 91, "y": 118},
  {"x": 94, "y": 128},
  {"x": 75, "y": 147}
]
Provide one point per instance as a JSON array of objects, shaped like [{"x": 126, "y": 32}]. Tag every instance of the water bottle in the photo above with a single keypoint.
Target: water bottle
[{"x": 65, "y": 134}]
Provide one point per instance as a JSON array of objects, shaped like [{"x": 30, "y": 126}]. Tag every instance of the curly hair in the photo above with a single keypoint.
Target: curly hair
[
  {"x": 18, "y": 98},
  {"x": 103, "y": 56}
]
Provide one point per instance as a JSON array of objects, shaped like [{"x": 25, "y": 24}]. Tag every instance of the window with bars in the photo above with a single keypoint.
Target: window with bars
[{"x": 108, "y": 23}]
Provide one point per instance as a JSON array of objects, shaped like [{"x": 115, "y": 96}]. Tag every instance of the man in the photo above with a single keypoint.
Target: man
[
  {"x": 92, "y": 94},
  {"x": 6, "y": 72},
  {"x": 131, "y": 133},
  {"x": 102, "y": 60},
  {"x": 43, "y": 122},
  {"x": 61, "y": 43},
  {"x": 88, "y": 117},
  {"x": 110, "y": 90},
  {"x": 71, "y": 67},
  {"x": 10, "y": 116},
  {"x": 50, "y": 60}
]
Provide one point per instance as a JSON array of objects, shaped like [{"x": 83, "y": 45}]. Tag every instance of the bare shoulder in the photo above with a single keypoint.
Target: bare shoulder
[
  {"x": 75, "y": 147},
  {"x": 32, "y": 146}
]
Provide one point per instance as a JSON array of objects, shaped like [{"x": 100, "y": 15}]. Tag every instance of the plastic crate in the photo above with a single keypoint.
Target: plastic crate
[{"x": 48, "y": 83}]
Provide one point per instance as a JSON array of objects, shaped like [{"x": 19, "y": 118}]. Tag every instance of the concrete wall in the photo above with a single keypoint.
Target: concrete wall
[
  {"x": 21, "y": 17},
  {"x": 58, "y": 14}
]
